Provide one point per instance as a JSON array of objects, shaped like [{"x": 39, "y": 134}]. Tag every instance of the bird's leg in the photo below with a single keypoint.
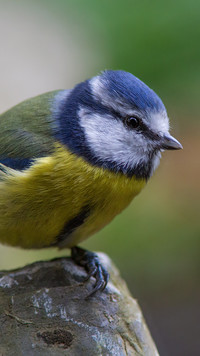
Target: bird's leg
[{"x": 91, "y": 263}]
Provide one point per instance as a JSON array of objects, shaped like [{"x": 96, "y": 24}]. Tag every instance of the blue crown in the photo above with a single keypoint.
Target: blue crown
[{"x": 132, "y": 90}]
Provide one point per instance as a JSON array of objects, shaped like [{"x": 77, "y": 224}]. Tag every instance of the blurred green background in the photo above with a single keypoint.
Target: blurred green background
[{"x": 48, "y": 45}]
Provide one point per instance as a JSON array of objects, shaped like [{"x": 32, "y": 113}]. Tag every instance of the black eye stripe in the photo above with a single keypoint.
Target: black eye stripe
[
  {"x": 145, "y": 130},
  {"x": 142, "y": 128},
  {"x": 151, "y": 134}
]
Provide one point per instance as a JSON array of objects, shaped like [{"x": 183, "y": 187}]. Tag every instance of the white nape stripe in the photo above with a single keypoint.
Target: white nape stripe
[{"x": 59, "y": 101}]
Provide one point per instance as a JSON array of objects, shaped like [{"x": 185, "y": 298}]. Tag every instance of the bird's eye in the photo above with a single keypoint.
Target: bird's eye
[{"x": 132, "y": 122}]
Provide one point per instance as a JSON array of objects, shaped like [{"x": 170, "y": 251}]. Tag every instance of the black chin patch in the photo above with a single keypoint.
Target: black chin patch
[{"x": 142, "y": 170}]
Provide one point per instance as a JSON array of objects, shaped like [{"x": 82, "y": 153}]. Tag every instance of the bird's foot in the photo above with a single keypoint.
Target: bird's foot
[{"x": 91, "y": 262}]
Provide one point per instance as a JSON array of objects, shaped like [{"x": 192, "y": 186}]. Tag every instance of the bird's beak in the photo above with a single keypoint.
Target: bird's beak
[{"x": 168, "y": 142}]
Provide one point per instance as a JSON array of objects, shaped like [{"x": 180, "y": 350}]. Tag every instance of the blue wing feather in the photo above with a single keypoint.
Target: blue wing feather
[{"x": 17, "y": 163}]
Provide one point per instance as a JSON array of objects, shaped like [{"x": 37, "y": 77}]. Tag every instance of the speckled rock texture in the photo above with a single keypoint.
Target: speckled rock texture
[{"x": 43, "y": 312}]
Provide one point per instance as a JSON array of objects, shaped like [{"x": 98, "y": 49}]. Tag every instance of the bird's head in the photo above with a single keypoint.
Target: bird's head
[{"x": 119, "y": 123}]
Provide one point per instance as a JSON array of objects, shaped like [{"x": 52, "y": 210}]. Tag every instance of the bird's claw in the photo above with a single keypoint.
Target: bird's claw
[{"x": 91, "y": 262}]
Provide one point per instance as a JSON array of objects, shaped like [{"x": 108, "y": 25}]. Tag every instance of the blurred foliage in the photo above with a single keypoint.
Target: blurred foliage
[{"x": 155, "y": 40}]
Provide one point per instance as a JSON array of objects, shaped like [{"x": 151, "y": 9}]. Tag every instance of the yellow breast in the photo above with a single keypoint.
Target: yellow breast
[{"x": 36, "y": 205}]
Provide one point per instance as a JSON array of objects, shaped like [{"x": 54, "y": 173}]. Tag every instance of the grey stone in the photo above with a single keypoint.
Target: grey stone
[{"x": 43, "y": 312}]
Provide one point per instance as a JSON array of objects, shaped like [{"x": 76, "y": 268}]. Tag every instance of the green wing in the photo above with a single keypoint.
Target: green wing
[{"x": 26, "y": 129}]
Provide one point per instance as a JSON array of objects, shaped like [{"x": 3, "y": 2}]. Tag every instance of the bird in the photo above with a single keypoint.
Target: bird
[{"x": 72, "y": 159}]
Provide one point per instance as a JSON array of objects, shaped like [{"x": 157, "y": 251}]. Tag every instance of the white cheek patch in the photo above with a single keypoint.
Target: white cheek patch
[
  {"x": 111, "y": 141},
  {"x": 155, "y": 162}
]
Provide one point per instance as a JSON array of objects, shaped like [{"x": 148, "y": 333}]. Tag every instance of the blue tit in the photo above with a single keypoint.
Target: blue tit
[{"x": 71, "y": 160}]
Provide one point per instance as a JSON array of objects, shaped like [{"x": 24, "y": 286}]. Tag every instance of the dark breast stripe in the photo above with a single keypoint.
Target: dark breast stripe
[{"x": 73, "y": 224}]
